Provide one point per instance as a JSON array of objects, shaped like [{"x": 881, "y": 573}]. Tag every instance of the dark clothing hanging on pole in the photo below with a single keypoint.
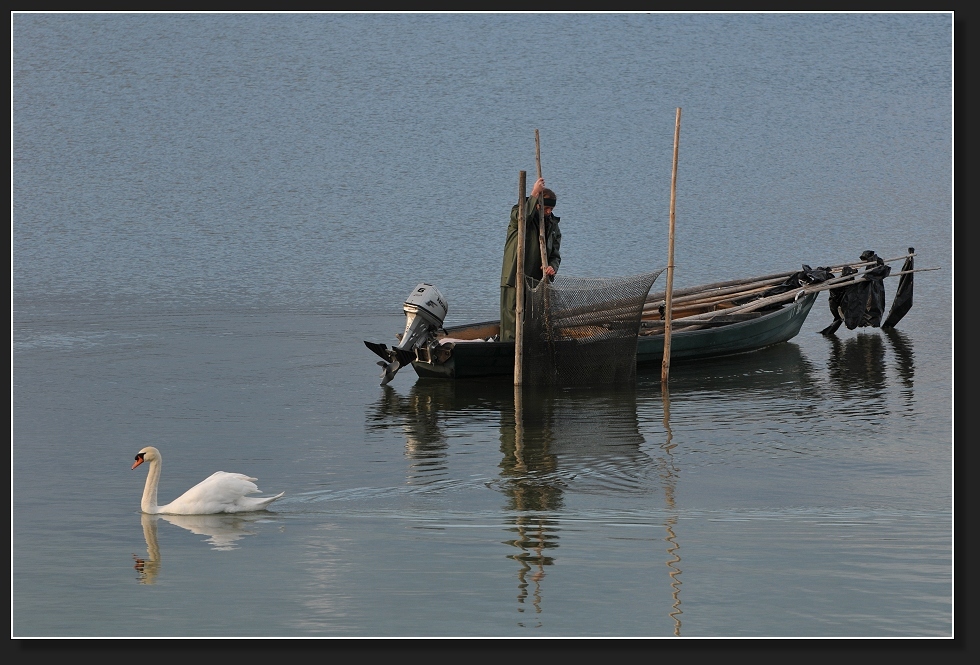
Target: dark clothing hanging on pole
[
  {"x": 862, "y": 303},
  {"x": 903, "y": 294}
]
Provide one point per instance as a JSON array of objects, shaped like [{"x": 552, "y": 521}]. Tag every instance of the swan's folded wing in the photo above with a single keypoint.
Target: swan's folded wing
[{"x": 221, "y": 492}]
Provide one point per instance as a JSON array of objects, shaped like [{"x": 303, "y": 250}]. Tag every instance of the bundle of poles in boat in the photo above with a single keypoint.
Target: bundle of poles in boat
[
  {"x": 731, "y": 301},
  {"x": 722, "y": 303}
]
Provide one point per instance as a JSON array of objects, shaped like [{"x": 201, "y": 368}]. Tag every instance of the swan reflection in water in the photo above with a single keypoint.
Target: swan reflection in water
[
  {"x": 149, "y": 567},
  {"x": 222, "y": 532}
]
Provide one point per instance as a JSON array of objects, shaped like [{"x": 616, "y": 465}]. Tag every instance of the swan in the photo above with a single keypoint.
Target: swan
[{"x": 221, "y": 492}]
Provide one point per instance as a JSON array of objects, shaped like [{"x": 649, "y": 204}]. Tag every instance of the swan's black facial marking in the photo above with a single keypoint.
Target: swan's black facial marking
[{"x": 139, "y": 457}]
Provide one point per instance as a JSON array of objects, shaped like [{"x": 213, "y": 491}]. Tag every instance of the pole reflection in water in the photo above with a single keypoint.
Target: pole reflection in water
[
  {"x": 521, "y": 463},
  {"x": 555, "y": 438},
  {"x": 669, "y": 475},
  {"x": 551, "y": 441}
]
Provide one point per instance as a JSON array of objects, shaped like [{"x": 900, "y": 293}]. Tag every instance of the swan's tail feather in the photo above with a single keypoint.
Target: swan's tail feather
[{"x": 260, "y": 504}]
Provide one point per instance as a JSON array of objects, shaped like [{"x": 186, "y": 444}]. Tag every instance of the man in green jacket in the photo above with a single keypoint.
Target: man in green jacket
[{"x": 532, "y": 253}]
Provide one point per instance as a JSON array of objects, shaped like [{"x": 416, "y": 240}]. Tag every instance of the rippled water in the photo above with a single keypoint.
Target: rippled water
[{"x": 212, "y": 212}]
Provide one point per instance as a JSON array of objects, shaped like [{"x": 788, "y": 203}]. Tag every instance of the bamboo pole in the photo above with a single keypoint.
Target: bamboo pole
[
  {"x": 701, "y": 288},
  {"x": 519, "y": 309},
  {"x": 541, "y": 241},
  {"x": 519, "y": 429},
  {"x": 697, "y": 299},
  {"x": 694, "y": 294},
  {"x": 665, "y": 367},
  {"x": 542, "y": 244}
]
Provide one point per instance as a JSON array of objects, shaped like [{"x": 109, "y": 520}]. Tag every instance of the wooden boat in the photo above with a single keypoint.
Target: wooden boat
[
  {"x": 707, "y": 321},
  {"x": 464, "y": 353}
]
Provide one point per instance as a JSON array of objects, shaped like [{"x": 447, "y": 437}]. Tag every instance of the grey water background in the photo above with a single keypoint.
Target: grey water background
[{"x": 211, "y": 212}]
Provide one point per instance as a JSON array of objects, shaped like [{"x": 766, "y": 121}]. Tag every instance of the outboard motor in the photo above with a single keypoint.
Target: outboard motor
[{"x": 425, "y": 310}]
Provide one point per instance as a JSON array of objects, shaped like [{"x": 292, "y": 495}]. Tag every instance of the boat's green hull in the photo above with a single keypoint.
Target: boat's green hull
[
  {"x": 481, "y": 359},
  {"x": 769, "y": 329}
]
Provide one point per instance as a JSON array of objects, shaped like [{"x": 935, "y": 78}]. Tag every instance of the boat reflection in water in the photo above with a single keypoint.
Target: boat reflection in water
[
  {"x": 779, "y": 369},
  {"x": 222, "y": 532},
  {"x": 420, "y": 417},
  {"x": 554, "y": 442},
  {"x": 549, "y": 440}
]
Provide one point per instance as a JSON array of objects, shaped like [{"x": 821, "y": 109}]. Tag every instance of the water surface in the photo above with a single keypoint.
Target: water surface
[{"x": 212, "y": 212}]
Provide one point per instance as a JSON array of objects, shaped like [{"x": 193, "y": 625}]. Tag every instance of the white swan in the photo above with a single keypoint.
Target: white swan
[{"x": 220, "y": 492}]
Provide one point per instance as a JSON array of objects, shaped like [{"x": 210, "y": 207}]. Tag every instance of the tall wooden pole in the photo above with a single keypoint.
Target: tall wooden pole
[
  {"x": 518, "y": 429},
  {"x": 665, "y": 368},
  {"x": 519, "y": 310},
  {"x": 541, "y": 242}
]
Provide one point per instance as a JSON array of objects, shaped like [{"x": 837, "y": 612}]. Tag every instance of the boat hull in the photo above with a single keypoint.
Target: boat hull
[
  {"x": 772, "y": 328},
  {"x": 482, "y": 359}
]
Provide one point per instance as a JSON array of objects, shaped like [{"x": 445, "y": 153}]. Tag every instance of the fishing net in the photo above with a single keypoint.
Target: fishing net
[{"x": 582, "y": 331}]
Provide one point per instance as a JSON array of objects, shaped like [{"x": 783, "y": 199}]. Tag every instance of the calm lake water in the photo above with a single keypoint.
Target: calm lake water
[{"x": 212, "y": 212}]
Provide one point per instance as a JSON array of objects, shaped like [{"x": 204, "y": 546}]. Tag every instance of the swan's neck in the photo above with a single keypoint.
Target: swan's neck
[{"x": 149, "y": 502}]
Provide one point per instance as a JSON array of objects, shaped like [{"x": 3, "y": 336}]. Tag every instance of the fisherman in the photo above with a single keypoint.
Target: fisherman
[{"x": 532, "y": 252}]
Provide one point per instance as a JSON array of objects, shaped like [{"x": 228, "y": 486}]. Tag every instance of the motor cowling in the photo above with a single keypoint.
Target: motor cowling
[{"x": 425, "y": 310}]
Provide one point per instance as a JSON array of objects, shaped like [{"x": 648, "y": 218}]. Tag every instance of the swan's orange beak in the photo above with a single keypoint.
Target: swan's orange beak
[{"x": 139, "y": 460}]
